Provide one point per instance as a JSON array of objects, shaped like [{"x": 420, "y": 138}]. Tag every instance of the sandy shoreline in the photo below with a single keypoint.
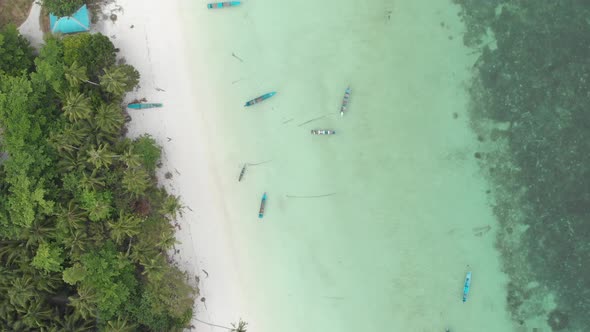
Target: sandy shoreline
[{"x": 159, "y": 54}]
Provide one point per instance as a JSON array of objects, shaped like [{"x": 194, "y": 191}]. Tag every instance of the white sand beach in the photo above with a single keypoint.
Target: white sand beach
[{"x": 151, "y": 37}]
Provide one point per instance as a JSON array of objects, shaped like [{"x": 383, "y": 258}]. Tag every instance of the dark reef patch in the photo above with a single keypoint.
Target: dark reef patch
[
  {"x": 529, "y": 97},
  {"x": 558, "y": 320}
]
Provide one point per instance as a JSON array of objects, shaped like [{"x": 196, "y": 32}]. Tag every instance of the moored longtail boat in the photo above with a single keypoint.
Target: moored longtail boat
[
  {"x": 140, "y": 106},
  {"x": 259, "y": 99},
  {"x": 322, "y": 132},
  {"x": 223, "y": 4},
  {"x": 466, "y": 286},
  {"x": 345, "y": 101},
  {"x": 262, "y": 203},
  {"x": 242, "y": 172}
]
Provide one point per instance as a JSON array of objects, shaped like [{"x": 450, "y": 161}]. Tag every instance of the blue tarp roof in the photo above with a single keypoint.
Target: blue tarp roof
[{"x": 78, "y": 22}]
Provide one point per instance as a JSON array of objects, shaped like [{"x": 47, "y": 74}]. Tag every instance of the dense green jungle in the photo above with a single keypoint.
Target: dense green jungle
[
  {"x": 530, "y": 98},
  {"x": 84, "y": 227}
]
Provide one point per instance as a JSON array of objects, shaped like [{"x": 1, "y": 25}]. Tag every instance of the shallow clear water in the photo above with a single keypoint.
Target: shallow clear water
[{"x": 407, "y": 214}]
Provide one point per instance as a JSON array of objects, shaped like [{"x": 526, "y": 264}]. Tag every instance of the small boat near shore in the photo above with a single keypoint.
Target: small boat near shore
[
  {"x": 223, "y": 4},
  {"x": 141, "y": 106},
  {"x": 466, "y": 286},
  {"x": 242, "y": 172},
  {"x": 345, "y": 101},
  {"x": 259, "y": 99},
  {"x": 262, "y": 203},
  {"x": 323, "y": 132}
]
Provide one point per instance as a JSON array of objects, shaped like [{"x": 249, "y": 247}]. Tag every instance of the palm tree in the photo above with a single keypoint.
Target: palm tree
[
  {"x": 121, "y": 325},
  {"x": 48, "y": 282},
  {"x": 21, "y": 292},
  {"x": 99, "y": 209},
  {"x": 71, "y": 161},
  {"x": 100, "y": 156},
  {"x": 109, "y": 118},
  {"x": 131, "y": 159},
  {"x": 13, "y": 252},
  {"x": 36, "y": 314},
  {"x": 71, "y": 215},
  {"x": 39, "y": 231},
  {"x": 84, "y": 303},
  {"x": 76, "y": 106},
  {"x": 171, "y": 206},
  {"x": 75, "y": 134},
  {"x": 52, "y": 327},
  {"x": 154, "y": 268},
  {"x": 135, "y": 181},
  {"x": 76, "y": 74},
  {"x": 7, "y": 313},
  {"x": 92, "y": 181},
  {"x": 77, "y": 241},
  {"x": 167, "y": 239},
  {"x": 97, "y": 233},
  {"x": 241, "y": 326},
  {"x": 73, "y": 323},
  {"x": 127, "y": 225},
  {"x": 142, "y": 251},
  {"x": 114, "y": 81},
  {"x": 60, "y": 142}
]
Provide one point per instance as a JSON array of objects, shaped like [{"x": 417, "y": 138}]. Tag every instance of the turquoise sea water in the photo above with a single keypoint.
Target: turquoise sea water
[{"x": 406, "y": 213}]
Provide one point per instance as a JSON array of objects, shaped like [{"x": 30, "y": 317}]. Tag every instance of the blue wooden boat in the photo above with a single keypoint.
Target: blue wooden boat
[
  {"x": 140, "y": 106},
  {"x": 223, "y": 4},
  {"x": 345, "y": 101},
  {"x": 259, "y": 99},
  {"x": 323, "y": 132},
  {"x": 467, "y": 285},
  {"x": 262, "y": 203}
]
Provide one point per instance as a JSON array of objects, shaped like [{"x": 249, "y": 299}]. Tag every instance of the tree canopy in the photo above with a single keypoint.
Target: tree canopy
[
  {"x": 84, "y": 228},
  {"x": 16, "y": 54},
  {"x": 94, "y": 51},
  {"x": 62, "y": 7}
]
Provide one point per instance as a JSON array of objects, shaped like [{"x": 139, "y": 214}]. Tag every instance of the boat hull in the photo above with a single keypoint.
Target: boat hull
[
  {"x": 345, "y": 101},
  {"x": 466, "y": 286},
  {"x": 259, "y": 99},
  {"x": 262, "y": 204},
  {"x": 223, "y": 4},
  {"x": 322, "y": 132},
  {"x": 140, "y": 106}
]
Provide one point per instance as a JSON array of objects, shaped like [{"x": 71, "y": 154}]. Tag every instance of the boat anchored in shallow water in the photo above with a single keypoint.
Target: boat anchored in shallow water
[
  {"x": 262, "y": 204},
  {"x": 322, "y": 132},
  {"x": 141, "y": 106},
  {"x": 345, "y": 101},
  {"x": 259, "y": 99},
  {"x": 223, "y": 4},
  {"x": 466, "y": 286}
]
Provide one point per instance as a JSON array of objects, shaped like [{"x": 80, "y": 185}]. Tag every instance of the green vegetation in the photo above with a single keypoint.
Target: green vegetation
[
  {"x": 532, "y": 88},
  {"x": 62, "y": 7},
  {"x": 15, "y": 52},
  {"x": 84, "y": 229}
]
